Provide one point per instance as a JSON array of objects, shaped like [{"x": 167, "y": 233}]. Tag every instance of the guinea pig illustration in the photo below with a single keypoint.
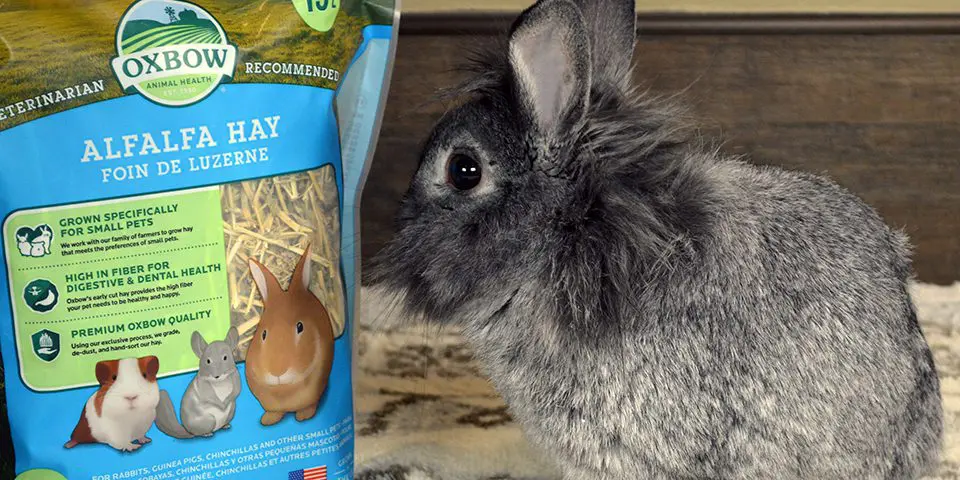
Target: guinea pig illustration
[
  {"x": 290, "y": 356},
  {"x": 123, "y": 408}
]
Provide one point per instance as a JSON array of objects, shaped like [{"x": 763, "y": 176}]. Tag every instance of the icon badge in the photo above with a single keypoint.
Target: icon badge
[
  {"x": 46, "y": 345},
  {"x": 41, "y": 295}
]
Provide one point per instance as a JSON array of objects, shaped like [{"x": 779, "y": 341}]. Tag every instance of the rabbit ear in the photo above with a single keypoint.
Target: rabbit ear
[
  {"x": 198, "y": 344},
  {"x": 550, "y": 62},
  {"x": 267, "y": 284},
  {"x": 301, "y": 274},
  {"x": 613, "y": 36}
]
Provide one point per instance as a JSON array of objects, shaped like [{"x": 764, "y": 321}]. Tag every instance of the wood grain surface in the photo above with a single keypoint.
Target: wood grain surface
[
  {"x": 726, "y": 6},
  {"x": 880, "y": 114},
  {"x": 708, "y": 23}
]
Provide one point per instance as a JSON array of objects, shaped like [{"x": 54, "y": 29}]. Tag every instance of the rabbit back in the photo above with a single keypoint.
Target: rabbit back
[
  {"x": 787, "y": 346},
  {"x": 647, "y": 307}
]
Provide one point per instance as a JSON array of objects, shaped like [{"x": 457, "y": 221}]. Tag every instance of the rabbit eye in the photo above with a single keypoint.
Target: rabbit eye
[
  {"x": 144, "y": 375},
  {"x": 114, "y": 377},
  {"x": 208, "y": 361},
  {"x": 299, "y": 328},
  {"x": 463, "y": 172},
  {"x": 264, "y": 335},
  {"x": 224, "y": 358}
]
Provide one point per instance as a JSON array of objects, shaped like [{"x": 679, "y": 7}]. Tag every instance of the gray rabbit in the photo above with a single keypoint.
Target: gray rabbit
[
  {"x": 209, "y": 403},
  {"x": 649, "y": 308}
]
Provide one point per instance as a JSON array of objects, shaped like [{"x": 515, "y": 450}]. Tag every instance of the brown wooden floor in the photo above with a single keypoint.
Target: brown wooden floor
[{"x": 878, "y": 113}]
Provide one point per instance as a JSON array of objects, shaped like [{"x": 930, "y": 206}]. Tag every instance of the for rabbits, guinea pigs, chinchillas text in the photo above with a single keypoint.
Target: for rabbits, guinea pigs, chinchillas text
[{"x": 649, "y": 308}]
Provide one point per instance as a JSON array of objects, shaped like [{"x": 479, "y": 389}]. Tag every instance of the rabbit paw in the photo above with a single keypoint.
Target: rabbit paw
[
  {"x": 271, "y": 418},
  {"x": 225, "y": 427},
  {"x": 144, "y": 440},
  {"x": 306, "y": 413}
]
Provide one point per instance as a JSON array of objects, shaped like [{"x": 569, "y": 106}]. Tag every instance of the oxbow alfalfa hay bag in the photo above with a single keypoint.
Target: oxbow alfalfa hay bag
[{"x": 178, "y": 188}]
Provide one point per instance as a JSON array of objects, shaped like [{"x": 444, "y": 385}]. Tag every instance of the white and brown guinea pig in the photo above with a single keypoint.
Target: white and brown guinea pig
[{"x": 123, "y": 408}]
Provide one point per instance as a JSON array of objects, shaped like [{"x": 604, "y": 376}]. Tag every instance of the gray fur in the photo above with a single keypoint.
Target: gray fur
[
  {"x": 550, "y": 51},
  {"x": 613, "y": 33},
  {"x": 209, "y": 403},
  {"x": 650, "y": 308}
]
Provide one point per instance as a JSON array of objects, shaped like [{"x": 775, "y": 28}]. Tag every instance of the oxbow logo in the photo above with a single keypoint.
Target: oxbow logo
[{"x": 173, "y": 53}]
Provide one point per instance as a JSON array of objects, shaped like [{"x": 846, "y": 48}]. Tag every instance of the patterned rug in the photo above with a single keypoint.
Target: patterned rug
[{"x": 424, "y": 411}]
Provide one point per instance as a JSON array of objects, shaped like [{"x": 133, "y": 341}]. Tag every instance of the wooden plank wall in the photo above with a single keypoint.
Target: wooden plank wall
[{"x": 878, "y": 113}]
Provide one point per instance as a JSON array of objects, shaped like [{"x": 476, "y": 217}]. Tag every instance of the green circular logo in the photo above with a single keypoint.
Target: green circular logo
[
  {"x": 41, "y": 295},
  {"x": 172, "y": 52},
  {"x": 40, "y": 475}
]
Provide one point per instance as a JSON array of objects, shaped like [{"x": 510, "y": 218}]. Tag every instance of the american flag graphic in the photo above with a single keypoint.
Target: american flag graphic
[{"x": 315, "y": 473}]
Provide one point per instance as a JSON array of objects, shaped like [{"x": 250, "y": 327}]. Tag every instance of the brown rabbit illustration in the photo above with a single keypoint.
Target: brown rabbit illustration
[{"x": 291, "y": 353}]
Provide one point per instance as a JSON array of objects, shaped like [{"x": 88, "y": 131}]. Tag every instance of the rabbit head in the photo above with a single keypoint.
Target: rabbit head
[
  {"x": 548, "y": 173},
  {"x": 24, "y": 234},
  {"x": 294, "y": 332}
]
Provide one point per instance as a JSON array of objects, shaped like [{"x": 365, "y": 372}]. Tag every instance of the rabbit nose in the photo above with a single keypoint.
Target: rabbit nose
[
  {"x": 131, "y": 397},
  {"x": 277, "y": 366}
]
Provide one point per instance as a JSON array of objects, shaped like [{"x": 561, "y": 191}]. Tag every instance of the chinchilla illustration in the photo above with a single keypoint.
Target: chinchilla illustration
[
  {"x": 210, "y": 402},
  {"x": 648, "y": 307}
]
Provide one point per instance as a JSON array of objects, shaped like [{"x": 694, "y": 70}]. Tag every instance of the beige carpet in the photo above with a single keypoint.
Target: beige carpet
[{"x": 426, "y": 413}]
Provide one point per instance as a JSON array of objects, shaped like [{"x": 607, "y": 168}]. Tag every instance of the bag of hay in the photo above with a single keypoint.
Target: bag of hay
[{"x": 179, "y": 188}]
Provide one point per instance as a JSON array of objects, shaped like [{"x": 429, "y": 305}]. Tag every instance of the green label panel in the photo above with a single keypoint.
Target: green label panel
[
  {"x": 111, "y": 280},
  {"x": 319, "y": 14}
]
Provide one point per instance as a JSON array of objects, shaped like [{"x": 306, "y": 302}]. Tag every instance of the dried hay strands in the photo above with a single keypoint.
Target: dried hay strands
[{"x": 273, "y": 220}]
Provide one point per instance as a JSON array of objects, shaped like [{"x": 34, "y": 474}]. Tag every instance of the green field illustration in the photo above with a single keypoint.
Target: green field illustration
[
  {"x": 162, "y": 35},
  {"x": 54, "y": 44},
  {"x": 184, "y": 27}
]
